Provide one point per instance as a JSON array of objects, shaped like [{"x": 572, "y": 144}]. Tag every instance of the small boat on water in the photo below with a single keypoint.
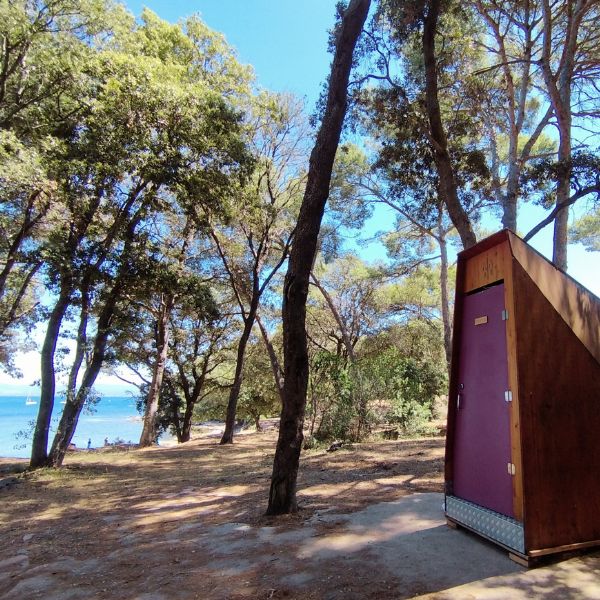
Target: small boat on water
[{"x": 29, "y": 401}]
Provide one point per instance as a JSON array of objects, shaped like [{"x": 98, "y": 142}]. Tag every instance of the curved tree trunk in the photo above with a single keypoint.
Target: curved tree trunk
[
  {"x": 149, "y": 430},
  {"x": 234, "y": 393},
  {"x": 74, "y": 405},
  {"x": 282, "y": 494},
  {"x": 336, "y": 315},
  {"x": 445, "y": 297},
  {"x": 186, "y": 425},
  {"x": 447, "y": 182},
  {"x": 39, "y": 448},
  {"x": 275, "y": 366},
  {"x": 39, "y": 453}
]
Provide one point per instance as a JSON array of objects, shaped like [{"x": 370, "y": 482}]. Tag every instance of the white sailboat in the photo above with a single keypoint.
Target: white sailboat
[{"x": 29, "y": 401}]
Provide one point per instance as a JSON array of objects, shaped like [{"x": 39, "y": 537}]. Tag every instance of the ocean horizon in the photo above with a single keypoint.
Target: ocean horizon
[{"x": 114, "y": 418}]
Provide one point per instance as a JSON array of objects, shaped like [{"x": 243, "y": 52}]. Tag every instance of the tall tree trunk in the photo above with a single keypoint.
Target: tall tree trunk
[
  {"x": 275, "y": 366},
  {"x": 39, "y": 453},
  {"x": 447, "y": 182},
  {"x": 39, "y": 448},
  {"x": 191, "y": 399},
  {"x": 509, "y": 211},
  {"x": 445, "y": 297},
  {"x": 516, "y": 97},
  {"x": 167, "y": 304},
  {"x": 80, "y": 347},
  {"x": 72, "y": 408},
  {"x": 282, "y": 495},
  {"x": 509, "y": 208},
  {"x": 559, "y": 91},
  {"x": 191, "y": 394},
  {"x": 563, "y": 191},
  {"x": 234, "y": 392},
  {"x": 149, "y": 430},
  {"x": 186, "y": 425}
]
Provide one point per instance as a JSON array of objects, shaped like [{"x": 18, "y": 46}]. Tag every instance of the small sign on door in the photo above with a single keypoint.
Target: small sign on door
[{"x": 481, "y": 320}]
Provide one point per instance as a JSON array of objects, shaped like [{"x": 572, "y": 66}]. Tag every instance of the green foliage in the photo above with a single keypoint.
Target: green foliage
[
  {"x": 586, "y": 231},
  {"x": 47, "y": 52},
  {"x": 408, "y": 377},
  {"x": 346, "y": 198},
  {"x": 394, "y": 112},
  {"x": 258, "y": 396},
  {"x": 353, "y": 287},
  {"x": 395, "y": 384},
  {"x": 331, "y": 387},
  {"x": 414, "y": 387},
  {"x": 542, "y": 175}
]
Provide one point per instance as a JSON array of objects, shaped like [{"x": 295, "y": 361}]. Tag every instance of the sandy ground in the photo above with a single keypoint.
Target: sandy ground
[{"x": 187, "y": 522}]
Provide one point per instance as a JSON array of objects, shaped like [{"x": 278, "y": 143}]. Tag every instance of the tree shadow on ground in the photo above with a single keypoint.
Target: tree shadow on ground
[{"x": 187, "y": 522}]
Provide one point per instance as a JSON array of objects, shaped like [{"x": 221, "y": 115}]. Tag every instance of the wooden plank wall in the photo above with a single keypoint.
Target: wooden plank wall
[
  {"x": 559, "y": 387},
  {"x": 579, "y": 308},
  {"x": 486, "y": 267}
]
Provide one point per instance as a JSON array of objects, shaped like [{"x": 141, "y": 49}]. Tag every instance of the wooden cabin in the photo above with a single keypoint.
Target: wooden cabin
[{"x": 523, "y": 444}]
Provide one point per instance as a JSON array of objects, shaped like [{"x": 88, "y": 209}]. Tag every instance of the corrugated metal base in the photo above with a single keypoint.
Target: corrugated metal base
[{"x": 492, "y": 525}]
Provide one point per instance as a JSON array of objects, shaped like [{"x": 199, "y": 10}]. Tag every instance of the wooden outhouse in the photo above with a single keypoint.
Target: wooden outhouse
[{"x": 523, "y": 443}]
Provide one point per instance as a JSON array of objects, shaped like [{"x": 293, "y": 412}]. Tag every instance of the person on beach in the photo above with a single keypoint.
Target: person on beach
[{"x": 89, "y": 443}]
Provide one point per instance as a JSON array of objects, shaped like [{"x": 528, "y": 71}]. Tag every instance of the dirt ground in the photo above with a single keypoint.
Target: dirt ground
[{"x": 188, "y": 522}]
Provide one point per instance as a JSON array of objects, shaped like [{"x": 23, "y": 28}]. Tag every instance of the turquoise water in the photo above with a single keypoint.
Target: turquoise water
[{"x": 113, "y": 418}]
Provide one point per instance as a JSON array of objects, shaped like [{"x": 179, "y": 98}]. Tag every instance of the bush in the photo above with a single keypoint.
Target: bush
[
  {"x": 332, "y": 402},
  {"x": 345, "y": 400},
  {"x": 415, "y": 388}
]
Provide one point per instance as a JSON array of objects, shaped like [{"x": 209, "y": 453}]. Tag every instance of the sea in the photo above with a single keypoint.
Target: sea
[{"x": 113, "y": 418}]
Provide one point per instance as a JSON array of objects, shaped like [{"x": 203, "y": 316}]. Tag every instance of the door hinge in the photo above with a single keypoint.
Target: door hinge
[
  {"x": 511, "y": 469},
  {"x": 508, "y": 396},
  {"x": 505, "y": 315}
]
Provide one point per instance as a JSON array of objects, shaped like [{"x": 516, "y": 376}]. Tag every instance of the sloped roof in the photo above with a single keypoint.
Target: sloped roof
[{"x": 578, "y": 307}]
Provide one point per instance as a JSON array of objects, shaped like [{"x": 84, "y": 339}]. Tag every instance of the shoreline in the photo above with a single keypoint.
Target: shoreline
[
  {"x": 114, "y": 418},
  {"x": 168, "y": 442}
]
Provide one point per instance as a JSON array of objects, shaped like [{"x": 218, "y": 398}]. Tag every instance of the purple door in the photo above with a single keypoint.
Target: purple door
[{"x": 482, "y": 436}]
